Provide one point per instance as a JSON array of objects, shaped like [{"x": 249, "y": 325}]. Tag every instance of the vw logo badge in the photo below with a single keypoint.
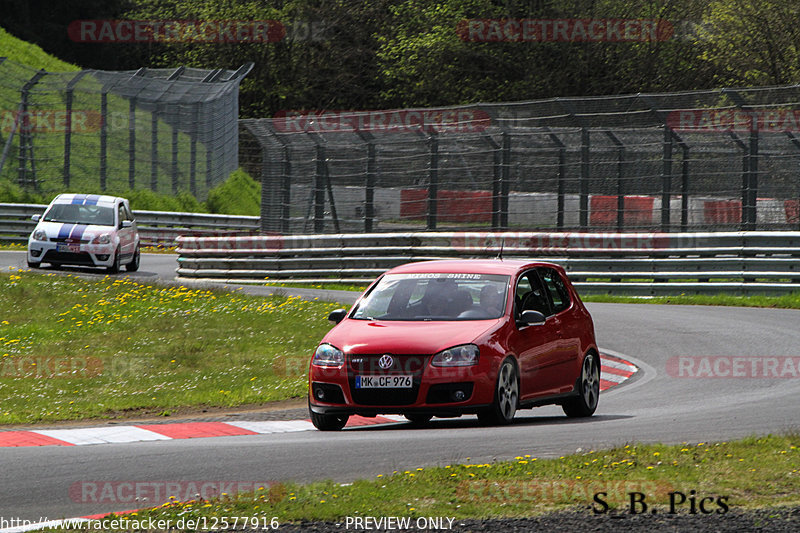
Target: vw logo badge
[{"x": 386, "y": 362}]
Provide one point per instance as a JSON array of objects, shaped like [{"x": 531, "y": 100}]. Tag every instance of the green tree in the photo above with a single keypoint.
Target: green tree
[
  {"x": 752, "y": 42},
  {"x": 426, "y": 62}
]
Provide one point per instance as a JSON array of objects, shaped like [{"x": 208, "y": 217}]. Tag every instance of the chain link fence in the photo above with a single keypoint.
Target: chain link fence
[
  {"x": 167, "y": 130},
  {"x": 707, "y": 160}
]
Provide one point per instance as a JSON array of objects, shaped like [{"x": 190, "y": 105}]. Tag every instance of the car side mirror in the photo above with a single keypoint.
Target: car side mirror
[
  {"x": 531, "y": 318},
  {"x": 127, "y": 224},
  {"x": 36, "y": 218},
  {"x": 337, "y": 315}
]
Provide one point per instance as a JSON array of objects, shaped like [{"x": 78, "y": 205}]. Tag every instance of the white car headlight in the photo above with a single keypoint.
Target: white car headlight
[
  {"x": 40, "y": 235},
  {"x": 328, "y": 355},
  {"x": 103, "y": 238},
  {"x": 462, "y": 355}
]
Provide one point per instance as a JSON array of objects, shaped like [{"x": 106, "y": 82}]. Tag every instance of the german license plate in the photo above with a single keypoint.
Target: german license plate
[
  {"x": 74, "y": 248},
  {"x": 383, "y": 382}
]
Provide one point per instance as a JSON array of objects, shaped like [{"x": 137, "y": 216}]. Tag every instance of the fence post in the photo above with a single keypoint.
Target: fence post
[
  {"x": 286, "y": 184},
  {"x": 584, "y": 184},
  {"x": 751, "y": 191},
  {"x": 620, "y": 184},
  {"x": 369, "y": 185},
  {"x": 287, "y": 190},
  {"x": 103, "y": 140},
  {"x": 174, "y": 159},
  {"x": 666, "y": 178},
  {"x": 132, "y": 143},
  {"x": 154, "y": 150},
  {"x": 193, "y": 151},
  {"x": 685, "y": 187},
  {"x": 496, "y": 178},
  {"x": 504, "y": 180},
  {"x": 433, "y": 180},
  {"x": 319, "y": 191},
  {"x": 67, "y": 135},
  {"x": 369, "y": 193},
  {"x": 561, "y": 180},
  {"x": 745, "y": 172},
  {"x": 68, "y": 125},
  {"x": 25, "y": 137}
]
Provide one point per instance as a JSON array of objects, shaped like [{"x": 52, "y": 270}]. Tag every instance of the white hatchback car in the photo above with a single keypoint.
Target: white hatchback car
[{"x": 85, "y": 229}]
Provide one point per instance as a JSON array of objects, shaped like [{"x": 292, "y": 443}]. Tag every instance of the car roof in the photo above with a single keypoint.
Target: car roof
[
  {"x": 87, "y": 199},
  {"x": 469, "y": 266}
]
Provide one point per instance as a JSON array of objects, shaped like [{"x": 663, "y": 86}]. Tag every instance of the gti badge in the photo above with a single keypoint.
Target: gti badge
[{"x": 386, "y": 362}]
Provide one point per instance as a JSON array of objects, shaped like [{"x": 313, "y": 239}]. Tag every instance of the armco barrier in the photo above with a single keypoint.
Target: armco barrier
[
  {"x": 155, "y": 227},
  {"x": 620, "y": 263}
]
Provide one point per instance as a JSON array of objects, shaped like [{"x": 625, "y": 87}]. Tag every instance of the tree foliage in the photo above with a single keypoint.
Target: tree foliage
[{"x": 368, "y": 54}]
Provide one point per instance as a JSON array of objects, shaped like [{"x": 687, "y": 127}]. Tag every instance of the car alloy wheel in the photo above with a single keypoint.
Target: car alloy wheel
[
  {"x": 506, "y": 397},
  {"x": 588, "y": 387}
]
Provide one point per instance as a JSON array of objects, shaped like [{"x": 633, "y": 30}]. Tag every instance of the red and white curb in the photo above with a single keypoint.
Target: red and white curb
[{"x": 614, "y": 371}]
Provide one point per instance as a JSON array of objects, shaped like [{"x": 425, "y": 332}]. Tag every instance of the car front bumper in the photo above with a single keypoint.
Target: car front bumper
[
  {"x": 434, "y": 392},
  {"x": 98, "y": 255}
]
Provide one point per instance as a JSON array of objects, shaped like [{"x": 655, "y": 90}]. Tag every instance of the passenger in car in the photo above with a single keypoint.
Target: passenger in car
[{"x": 491, "y": 301}]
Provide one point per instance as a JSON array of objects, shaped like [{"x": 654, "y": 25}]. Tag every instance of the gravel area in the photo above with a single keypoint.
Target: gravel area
[{"x": 772, "y": 520}]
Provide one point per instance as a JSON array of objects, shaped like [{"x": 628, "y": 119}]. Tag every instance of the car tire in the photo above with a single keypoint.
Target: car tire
[
  {"x": 115, "y": 266},
  {"x": 31, "y": 264},
  {"x": 328, "y": 422},
  {"x": 506, "y": 396},
  {"x": 588, "y": 386},
  {"x": 418, "y": 420},
  {"x": 133, "y": 266}
]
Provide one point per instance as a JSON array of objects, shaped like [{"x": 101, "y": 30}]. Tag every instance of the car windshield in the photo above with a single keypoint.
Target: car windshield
[
  {"x": 435, "y": 296},
  {"x": 80, "y": 214}
]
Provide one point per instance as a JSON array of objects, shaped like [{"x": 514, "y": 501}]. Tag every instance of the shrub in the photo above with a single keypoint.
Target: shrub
[{"x": 238, "y": 195}]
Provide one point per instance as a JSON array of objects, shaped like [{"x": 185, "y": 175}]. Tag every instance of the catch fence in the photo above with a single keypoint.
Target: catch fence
[
  {"x": 167, "y": 130},
  {"x": 706, "y": 160}
]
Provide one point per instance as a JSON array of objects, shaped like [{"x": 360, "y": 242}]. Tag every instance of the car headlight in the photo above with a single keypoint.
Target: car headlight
[
  {"x": 40, "y": 235},
  {"x": 103, "y": 238},
  {"x": 463, "y": 355},
  {"x": 327, "y": 355}
]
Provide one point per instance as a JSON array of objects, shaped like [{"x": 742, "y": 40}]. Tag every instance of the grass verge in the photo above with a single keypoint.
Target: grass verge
[
  {"x": 72, "y": 348},
  {"x": 745, "y": 474},
  {"x": 786, "y": 301}
]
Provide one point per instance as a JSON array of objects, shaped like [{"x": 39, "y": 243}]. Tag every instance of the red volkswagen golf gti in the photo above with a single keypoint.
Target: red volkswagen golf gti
[{"x": 445, "y": 338}]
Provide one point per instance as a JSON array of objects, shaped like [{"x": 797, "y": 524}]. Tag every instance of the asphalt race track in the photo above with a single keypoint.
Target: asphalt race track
[{"x": 658, "y": 404}]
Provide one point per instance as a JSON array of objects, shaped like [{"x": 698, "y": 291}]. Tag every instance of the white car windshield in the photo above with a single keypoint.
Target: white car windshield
[
  {"x": 435, "y": 296},
  {"x": 80, "y": 214}
]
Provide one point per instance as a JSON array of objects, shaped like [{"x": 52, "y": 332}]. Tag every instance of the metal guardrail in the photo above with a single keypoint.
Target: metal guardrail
[
  {"x": 155, "y": 227},
  {"x": 608, "y": 263}
]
